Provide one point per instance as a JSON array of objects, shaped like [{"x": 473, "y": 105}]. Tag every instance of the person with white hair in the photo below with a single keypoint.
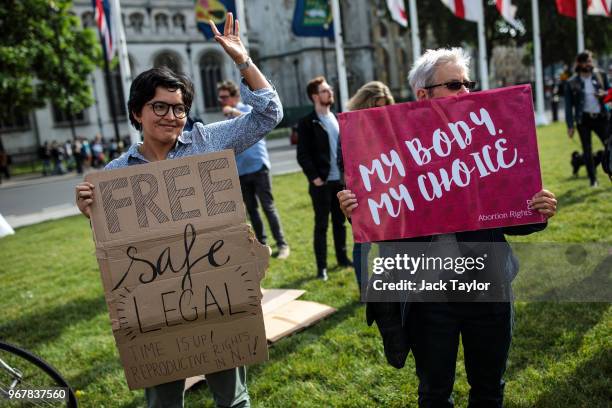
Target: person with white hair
[{"x": 432, "y": 329}]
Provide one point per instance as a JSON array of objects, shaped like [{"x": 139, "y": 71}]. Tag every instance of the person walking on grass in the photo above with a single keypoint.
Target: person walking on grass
[{"x": 254, "y": 171}]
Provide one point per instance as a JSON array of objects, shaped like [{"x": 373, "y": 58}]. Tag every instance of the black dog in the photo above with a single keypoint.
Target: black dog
[{"x": 577, "y": 160}]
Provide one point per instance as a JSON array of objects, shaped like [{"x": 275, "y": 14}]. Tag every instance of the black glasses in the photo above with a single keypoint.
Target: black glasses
[
  {"x": 162, "y": 108},
  {"x": 455, "y": 85}
]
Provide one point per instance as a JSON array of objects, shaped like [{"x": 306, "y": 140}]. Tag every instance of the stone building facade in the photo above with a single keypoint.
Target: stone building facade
[{"x": 164, "y": 32}]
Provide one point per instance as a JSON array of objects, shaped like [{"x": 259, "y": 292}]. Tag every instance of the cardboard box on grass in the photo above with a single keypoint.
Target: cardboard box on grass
[{"x": 181, "y": 269}]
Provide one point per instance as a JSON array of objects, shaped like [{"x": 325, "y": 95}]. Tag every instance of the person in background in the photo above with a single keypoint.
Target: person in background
[
  {"x": 254, "y": 171},
  {"x": 371, "y": 95},
  {"x": 317, "y": 152},
  {"x": 158, "y": 106},
  {"x": 86, "y": 153},
  {"x": 584, "y": 107},
  {"x": 97, "y": 150},
  {"x": 68, "y": 155},
  {"x": 57, "y": 157},
  {"x": 77, "y": 149},
  {"x": 4, "y": 163},
  {"x": 44, "y": 153}
]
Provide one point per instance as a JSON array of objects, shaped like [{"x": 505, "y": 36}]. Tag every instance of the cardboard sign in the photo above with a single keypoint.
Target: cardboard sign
[
  {"x": 444, "y": 165},
  {"x": 180, "y": 268}
]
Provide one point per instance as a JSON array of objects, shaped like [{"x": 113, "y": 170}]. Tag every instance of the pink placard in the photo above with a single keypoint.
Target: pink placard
[{"x": 454, "y": 164}]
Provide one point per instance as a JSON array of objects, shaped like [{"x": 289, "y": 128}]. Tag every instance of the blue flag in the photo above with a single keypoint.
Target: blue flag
[
  {"x": 215, "y": 10},
  {"x": 313, "y": 18}
]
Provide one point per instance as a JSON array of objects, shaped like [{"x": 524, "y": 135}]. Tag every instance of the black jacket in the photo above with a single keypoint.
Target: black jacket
[
  {"x": 392, "y": 317},
  {"x": 313, "y": 147}
]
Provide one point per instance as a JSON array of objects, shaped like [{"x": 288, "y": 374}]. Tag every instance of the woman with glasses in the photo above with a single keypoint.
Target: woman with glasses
[{"x": 158, "y": 106}]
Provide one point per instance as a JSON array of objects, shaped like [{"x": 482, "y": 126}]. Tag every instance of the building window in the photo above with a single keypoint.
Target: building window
[
  {"x": 14, "y": 122},
  {"x": 178, "y": 20},
  {"x": 136, "y": 22},
  {"x": 161, "y": 23},
  {"x": 61, "y": 118},
  {"x": 210, "y": 72},
  {"x": 117, "y": 100},
  {"x": 87, "y": 19},
  {"x": 170, "y": 60},
  {"x": 382, "y": 29},
  {"x": 383, "y": 65}
]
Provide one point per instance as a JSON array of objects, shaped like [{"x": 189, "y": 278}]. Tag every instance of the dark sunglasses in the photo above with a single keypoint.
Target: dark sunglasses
[{"x": 455, "y": 85}]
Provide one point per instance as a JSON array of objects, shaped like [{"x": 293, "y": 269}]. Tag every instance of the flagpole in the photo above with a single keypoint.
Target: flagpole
[
  {"x": 537, "y": 59},
  {"x": 580, "y": 26},
  {"x": 240, "y": 10},
  {"x": 124, "y": 63},
  {"x": 482, "y": 51},
  {"x": 414, "y": 30},
  {"x": 342, "y": 82}
]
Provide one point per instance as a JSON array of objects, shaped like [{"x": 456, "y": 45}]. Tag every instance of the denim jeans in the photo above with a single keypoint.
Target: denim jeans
[{"x": 360, "y": 261}]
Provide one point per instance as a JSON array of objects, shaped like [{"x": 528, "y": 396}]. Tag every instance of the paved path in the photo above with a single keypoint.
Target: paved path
[{"x": 30, "y": 200}]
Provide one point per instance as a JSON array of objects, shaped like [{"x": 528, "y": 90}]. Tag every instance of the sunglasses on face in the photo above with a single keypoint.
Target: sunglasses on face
[
  {"x": 455, "y": 85},
  {"x": 161, "y": 109}
]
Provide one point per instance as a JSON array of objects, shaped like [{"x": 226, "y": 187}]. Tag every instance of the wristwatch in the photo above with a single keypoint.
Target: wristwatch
[{"x": 245, "y": 64}]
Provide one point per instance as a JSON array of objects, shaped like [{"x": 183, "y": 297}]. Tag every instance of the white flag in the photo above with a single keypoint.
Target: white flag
[
  {"x": 398, "y": 12},
  {"x": 508, "y": 12},
  {"x": 599, "y": 7},
  {"x": 470, "y": 10}
]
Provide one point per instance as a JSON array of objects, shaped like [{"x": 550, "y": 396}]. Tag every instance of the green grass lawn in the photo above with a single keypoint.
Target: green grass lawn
[{"x": 52, "y": 302}]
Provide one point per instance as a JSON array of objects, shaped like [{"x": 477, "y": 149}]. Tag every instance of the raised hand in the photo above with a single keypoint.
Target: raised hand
[{"x": 230, "y": 39}]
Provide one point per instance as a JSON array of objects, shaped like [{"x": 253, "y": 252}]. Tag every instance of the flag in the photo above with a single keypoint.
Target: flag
[
  {"x": 215, "y": 10},
  {"x": 103, "y": 19},
  {"x": 599, "y": 7},
  {"x": 313, "y": 18},
  {"x": 470, "y": 10},
  {"x": 508, "y": 12},
  {"x": 567, "y": 8},
  {"x": 398, "y": 12}
]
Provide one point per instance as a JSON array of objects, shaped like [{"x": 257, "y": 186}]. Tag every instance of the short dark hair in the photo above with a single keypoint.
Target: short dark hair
[
  {"x": 228, "y": 86},
  {"x": 313, "y": 86},
  {"x": 145, "y": 85},
  {"x": 583, "y": 56}
]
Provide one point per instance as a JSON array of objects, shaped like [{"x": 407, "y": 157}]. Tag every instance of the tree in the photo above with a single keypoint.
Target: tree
[{"x": 45, "y": 56}]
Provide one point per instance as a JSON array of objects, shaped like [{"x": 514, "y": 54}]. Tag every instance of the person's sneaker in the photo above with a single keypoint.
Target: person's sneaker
[
  {"x": 283, "y": 252},
  {"x": 322, "y": 274}
]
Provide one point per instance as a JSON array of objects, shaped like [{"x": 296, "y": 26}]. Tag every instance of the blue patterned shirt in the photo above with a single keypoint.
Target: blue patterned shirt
[{"x": 238, "y": 134}]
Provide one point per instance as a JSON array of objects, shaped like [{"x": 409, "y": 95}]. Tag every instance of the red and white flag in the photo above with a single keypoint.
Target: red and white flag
[
  {"x": 567, "y": 8},
  {"x": 470, "y": 10},
  {"x": 508, "y": 12},
  {"x": 398, "y": 12},
  {"x": 102, "y": 15},
  {"x": 599, "y": 7}
]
